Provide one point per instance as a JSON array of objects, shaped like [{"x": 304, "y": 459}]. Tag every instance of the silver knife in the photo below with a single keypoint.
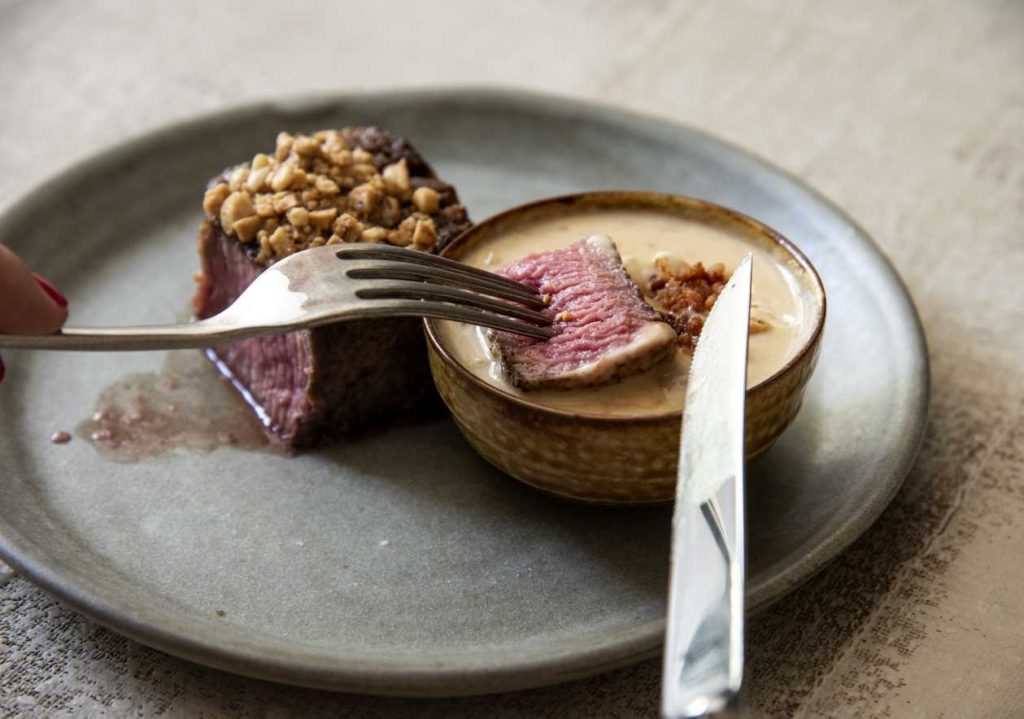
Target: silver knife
[{"x": 703, "y": 664}]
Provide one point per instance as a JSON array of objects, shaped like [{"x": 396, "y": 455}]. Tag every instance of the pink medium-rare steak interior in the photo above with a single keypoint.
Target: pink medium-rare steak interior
[
  {"x": 605, "y": 328},
  {"x": 313, "y": 386},
  {"x": 274, "y": 370}
]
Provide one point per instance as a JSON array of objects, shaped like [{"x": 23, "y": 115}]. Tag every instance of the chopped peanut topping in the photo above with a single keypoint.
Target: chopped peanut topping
[
  {"x": 396, "y": 178},
  {"x": 426, "y": 199},
  {"x": 214, "y": 198},
  {"x": 247, "y": 227},
  {"x": 316, "y": 190},
  {"x": 282, "y": 178},
  {"x": 322, "y": 219},
  {"x": 237, "y": 206},
  {"x": 424, "y": 237},
  {"x": 298, "y": 216},
  {"x": 374, "y": 234}
]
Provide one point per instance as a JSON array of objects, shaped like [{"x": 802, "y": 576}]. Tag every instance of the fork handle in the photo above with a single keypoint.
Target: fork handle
[{"x": 203, "y": 333}]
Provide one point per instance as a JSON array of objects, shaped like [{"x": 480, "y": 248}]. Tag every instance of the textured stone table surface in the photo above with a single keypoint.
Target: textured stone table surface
[{"x": 910, "y": 115}]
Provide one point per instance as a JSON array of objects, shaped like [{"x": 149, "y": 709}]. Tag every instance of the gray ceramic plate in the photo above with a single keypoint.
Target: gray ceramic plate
[{"x": 402, "y": 563}]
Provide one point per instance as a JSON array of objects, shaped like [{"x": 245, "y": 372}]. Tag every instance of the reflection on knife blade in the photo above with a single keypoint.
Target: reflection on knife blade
[{"x": 703, "y": 663}]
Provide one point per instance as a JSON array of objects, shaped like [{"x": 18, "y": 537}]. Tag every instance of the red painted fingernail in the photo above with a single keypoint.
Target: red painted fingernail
[{"x": 52, "y": 291}]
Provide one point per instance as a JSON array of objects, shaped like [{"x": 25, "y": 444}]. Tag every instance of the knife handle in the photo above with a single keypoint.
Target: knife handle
[{"x": 704, "y": 647}]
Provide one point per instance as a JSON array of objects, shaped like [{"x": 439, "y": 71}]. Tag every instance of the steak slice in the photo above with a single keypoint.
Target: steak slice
[
  {"x": 606, "y": 330},
  {"x": 329, "y": 382}
]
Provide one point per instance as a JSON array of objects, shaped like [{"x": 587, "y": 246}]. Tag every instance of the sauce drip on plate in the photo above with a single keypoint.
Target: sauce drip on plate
[{"x": 187, "y": 404}]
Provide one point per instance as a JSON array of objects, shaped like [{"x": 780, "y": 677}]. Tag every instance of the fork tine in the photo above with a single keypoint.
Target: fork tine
[
  {"x": 458, "y": 313},
  {"x": 434, "y": 275},
  {"x": 442, "y": 293},
  {"x": 402, "y": 254},
  {"x": 426, "y": 259}
]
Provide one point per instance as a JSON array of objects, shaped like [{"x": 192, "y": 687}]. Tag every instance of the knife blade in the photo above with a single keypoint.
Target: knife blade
[{"x": 703, "y": 662}]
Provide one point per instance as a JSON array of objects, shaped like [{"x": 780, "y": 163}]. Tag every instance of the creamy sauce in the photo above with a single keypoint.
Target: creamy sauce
[{"x": 641, "y": 236}]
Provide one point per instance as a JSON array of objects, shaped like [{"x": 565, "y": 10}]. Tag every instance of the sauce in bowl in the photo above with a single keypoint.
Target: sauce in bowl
[{"x": 643, "y": 235}]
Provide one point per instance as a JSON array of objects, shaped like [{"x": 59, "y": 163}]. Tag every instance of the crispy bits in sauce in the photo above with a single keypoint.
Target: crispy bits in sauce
[{"x": 687, "y": 293}]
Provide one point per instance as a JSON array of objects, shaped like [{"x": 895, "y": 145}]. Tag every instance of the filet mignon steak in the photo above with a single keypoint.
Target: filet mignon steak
[{"x": 352, "y": 185}]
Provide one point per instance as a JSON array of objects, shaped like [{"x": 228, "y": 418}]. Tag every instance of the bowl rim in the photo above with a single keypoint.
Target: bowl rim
[{"x": 655, "y": 200}]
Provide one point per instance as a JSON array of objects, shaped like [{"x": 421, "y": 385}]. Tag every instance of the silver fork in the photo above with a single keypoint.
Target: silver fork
[{"x": 329, "y": 284}]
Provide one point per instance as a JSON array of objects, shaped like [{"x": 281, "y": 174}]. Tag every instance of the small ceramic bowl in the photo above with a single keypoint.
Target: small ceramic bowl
[{"x": 604, "y": 459}]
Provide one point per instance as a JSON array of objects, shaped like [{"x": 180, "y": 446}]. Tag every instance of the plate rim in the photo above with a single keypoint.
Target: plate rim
[{"x": 406, "y": 676}]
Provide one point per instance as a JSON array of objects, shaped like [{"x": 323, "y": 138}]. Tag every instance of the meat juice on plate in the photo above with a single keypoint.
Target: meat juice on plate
[
  {"x": 642, "y": 236},
  {"x": 187, "y": 404}
]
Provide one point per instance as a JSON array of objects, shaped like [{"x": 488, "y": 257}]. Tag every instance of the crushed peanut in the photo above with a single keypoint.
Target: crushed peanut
[
  {"x": 282, "y": 178},
  {"x": 237, "y": 206},
  {"x": 247, "y": 227},
  {"x": 374, "y": 234},
  {"x": 322, "y": 219},
  {"x": 426, "y": 199},
  {"x": 316, "y": 190},
  {"x": 424, "y": 236},
  {"x": 298, "y": 216},
  {"x": 214, "y": 198},
  {"x": 396, "y": 179}
]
